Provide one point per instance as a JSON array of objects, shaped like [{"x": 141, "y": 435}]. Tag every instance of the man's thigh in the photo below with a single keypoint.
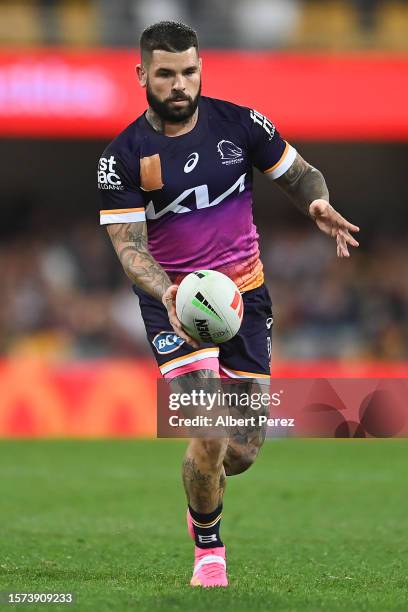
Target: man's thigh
[
  {"x": 173, "y": 356},
  {"x": 245, "y": 360},
  {"x": 248, "y": 354}
]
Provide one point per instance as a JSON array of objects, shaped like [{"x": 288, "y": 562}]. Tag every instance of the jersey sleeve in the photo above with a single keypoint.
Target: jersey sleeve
[
  {"x": 269, "y": 152},
  {"x": 119, "y": 188}
]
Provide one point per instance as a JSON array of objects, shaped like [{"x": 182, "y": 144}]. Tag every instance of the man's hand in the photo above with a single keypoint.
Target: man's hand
[
  {"x": 169, "y": 300},
  {"x": 304, "y": 184},
  {"x": 329, "y": 221}
]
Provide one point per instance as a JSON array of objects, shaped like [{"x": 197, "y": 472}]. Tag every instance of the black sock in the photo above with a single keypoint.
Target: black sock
[{"x": 207, "y": 528}]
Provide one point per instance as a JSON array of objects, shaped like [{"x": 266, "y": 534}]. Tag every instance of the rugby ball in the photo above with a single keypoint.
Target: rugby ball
[{"x": 209, "y": 306}]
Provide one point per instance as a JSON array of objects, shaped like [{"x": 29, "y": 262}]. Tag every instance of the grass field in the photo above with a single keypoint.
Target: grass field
[{"x": 315, "y": 525}]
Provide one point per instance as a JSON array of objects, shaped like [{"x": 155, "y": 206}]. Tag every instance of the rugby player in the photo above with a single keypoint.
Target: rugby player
[{"x": 176, "y": 187}]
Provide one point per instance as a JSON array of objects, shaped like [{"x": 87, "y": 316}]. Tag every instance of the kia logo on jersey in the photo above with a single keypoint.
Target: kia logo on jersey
[
  {"x": 167, "y": 342},
  {"x": 191, "y": 163},
  {"x": 202, "y": 199}
]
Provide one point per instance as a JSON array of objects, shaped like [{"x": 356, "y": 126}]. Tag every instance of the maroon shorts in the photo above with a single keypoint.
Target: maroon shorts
[{"x": 246, "y": 355}]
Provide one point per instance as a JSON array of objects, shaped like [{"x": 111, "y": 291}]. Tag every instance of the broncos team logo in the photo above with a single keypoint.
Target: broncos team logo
[{"x": 230, "y": 152}]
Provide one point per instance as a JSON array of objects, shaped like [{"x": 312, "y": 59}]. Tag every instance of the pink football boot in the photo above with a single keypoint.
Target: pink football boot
[
  {"x": 209, "y": 563},
  {"x": 210, "y": 568}
]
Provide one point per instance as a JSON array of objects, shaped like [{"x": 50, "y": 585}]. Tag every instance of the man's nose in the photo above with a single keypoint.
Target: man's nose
[{"x": 179, "y": 83}]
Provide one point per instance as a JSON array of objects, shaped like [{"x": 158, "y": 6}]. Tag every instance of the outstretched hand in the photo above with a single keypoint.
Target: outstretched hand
[
  {"x": 329, "y": 221},
  {"x": 169, "y": 300}
]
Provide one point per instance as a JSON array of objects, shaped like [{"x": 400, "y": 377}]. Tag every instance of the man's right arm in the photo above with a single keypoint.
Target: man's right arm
[{"x": 130, "y": 243}]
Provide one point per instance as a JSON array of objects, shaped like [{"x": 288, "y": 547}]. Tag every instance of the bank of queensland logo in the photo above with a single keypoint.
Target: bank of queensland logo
[
  {"x": 230, "y": 152},
  {"x": 167, "y": 342},
  {"x": 107, "y": 177}
]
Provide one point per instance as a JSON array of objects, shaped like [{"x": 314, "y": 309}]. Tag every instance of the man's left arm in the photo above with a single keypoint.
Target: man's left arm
[{"x": 307, "y": 188}]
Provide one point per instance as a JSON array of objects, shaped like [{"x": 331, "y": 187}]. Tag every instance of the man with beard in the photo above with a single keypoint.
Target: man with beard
[{"x": 176, "y": 187}]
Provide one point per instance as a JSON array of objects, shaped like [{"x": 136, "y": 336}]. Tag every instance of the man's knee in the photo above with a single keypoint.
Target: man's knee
[
  {"x": 238, "y": 459},
  {"x": 209, "y": 450}
]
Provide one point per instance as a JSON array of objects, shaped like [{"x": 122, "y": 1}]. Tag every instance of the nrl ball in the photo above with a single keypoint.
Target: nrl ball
[{"x": 209, "y": 306}]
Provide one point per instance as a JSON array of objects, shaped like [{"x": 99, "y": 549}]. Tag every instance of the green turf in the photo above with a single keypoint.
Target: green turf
[{"x": 315, "y": 525}]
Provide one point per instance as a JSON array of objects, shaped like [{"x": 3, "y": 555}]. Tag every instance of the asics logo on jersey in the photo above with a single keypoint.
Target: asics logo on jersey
[
  {"x": 107, "y": 177},
  {"x": 261, "y": 120},
  {"x": 202, "y": 199},
  {"x": 230, "y": 152},
  {"x": 192, "y": 161}
]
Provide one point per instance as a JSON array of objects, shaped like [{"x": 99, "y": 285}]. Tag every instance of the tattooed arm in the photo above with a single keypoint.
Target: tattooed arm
[
  {"x": 130, "y": 243},
  {"x": 307, "y": 188},
  {"x": 303, "y": 184}
]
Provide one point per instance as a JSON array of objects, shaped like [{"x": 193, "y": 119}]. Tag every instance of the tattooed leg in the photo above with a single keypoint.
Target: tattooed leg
[
  {"x": 203, "y": 470},
  {"x": 245, "y": 442},
  {"x": 203, "y": 473}
]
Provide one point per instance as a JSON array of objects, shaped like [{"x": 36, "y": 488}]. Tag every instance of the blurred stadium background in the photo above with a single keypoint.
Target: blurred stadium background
[{"x": 333, "y": 75}]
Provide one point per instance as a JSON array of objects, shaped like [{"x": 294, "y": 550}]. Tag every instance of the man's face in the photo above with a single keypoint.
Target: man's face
[{"x": 173, "y": 83}]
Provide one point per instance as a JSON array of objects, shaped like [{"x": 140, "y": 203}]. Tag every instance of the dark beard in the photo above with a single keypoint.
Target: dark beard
[{"x": 171, "y": 114}]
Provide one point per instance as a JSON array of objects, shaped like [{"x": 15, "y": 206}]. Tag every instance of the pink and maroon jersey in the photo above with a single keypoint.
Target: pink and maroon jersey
[{"x": 195, "y": 190}]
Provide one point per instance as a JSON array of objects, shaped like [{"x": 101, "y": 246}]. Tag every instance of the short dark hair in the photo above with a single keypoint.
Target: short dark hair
[{"x": 169, "y": 36}]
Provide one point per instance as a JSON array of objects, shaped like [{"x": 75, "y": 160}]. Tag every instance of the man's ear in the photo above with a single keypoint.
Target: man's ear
[{"x": 141, "y": 75}]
